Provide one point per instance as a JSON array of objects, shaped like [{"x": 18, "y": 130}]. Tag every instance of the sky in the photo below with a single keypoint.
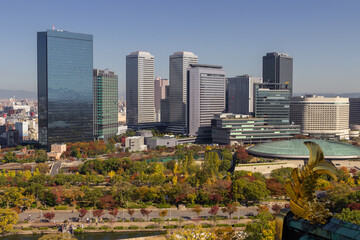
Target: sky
[{"x": 323, "y": 36}]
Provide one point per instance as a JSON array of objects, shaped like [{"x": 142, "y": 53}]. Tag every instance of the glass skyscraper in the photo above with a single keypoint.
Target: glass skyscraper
[{"x": 65, "y": 90}]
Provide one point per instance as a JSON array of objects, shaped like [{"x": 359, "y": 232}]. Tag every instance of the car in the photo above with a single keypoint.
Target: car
[
  {"x": 249, "y": 214},
  {"x": 44, "y": 220},
  {"x": 74, "y": 219},
  {"x": 186, "y": 218}
]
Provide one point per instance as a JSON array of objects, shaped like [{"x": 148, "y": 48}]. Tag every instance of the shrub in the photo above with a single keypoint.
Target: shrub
[
  {"x": 242, "y": 217},
  {"x": 239, "y": 225},
  {"x": 119, "y": 227},
  {"x": 170, "y": 226},
  {"x": 120, "y": 220},
  {"x": 235, "y": 218},
  {"x": 79, "y": 230},
  {"x": 42, "y": 208},
  {"x": 206, "y": 225},
  {"x": 151, "y": 227},
  {"x": 90, "y": 228},
  {"x": 134, "y": 227},
  {"x": 104, "y": 227},
  {"x": 174, "y": 219},
  {"x": 43, "y": 228},
  {"x": 127, "y": 220},
  {"x": 33, "y": 205},
  {"x": 61, "y": 207},
  {"x": 164, "y": 205},
  {"x": 222, "y": 225},
  {"x": 27, "y": 228}
]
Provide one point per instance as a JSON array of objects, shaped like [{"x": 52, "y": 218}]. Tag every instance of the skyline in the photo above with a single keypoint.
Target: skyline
[{"x": 320, "y": 36}]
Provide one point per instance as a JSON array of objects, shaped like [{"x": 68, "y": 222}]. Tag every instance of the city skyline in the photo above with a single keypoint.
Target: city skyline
[{"x": 319, "y": 36}]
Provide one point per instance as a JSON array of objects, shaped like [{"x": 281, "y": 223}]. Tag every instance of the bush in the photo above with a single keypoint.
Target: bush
[
  {"x": 242, "y": 217},
  {"x": 42, "y": 208},
  {"x": 134, "y": 227},
  {"x": 120, "y": 220},
  {"x": 43, "y": 228},
  {"x": 90, "y": 228},
  {"x": 27, "y": 228},
  {"x": 174, "y": 219},
  {"x": 104, "y": 227},
  {"x": 151, "y": 227},
  {"x": 206, "y": 206},
  {"x": 239, "y": 225},
  {"x": 54, "y": 228},
  {"x": 127, "y": 220},
  {"x": 119, "y": 227},
  {"x": 170, "y": 226},
  {"x": 206, "y": 225},
  {"x": 61, "y": 208},
  {"x": 79, "y": 230},
  {"x": 235, "y": 218},
  {"x": 222, "y": 225},
  {"x": 164, "y": 205},
  {"x": 33, "y": 205}
]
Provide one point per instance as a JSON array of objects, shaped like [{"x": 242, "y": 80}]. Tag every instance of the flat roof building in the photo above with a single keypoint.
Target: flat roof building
[{"x": 354, "y": 114}]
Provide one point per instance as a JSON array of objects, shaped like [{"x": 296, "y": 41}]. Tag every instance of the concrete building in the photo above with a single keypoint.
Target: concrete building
[
  {"x": 106, "y": 97},
  {"x": 272, "y": 104},
  {"x": 240, "y": 98},
  {"x": 65, "y": 91},
  {"x": 354, "y": 114},
  {"x": 12, "y": 137},
  {"x": 167, "y": 141},
  {"x": 206, "y": 97},
  {"x": 139, "y": 88},
  {"x": 56, "y": 151},
  {"x": 23, "y": 128},
  {"x": 237, "y": 129},
  {"x": 160, "y": 94},
  {"x": 278, "y": 69},
  {"x": 321, "y": 117},
  {"x": 135, "y": 143},
  {"x": 179, "y": 63}
]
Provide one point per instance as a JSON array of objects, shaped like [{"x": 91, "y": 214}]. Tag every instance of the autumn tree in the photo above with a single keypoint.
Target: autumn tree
[
  {"x": 82, "y": 213},
  {"x": 8, "y": 218},
  {"x": 241, "y": 155},
  {"x": 131, "y": 212},
  {"x": 229, "y": 209},
  {"x": 262, "y": 227},
  {"x": 213, "y": 211},
  {"x": 43, "y": 168},
  {"x": 163, "y": 214},
  {"x": 145, "y": 212},
  {"x": 276, "y": 208},
  {"x": 197, "y": 210},
  {"x": 98, "y": 213},
  {"x": 49, "y": 215},
  {"x": 114, "y": 212}
]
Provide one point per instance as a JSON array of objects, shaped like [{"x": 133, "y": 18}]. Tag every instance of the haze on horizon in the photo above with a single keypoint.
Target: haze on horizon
[{"x": 322, "y": 36}]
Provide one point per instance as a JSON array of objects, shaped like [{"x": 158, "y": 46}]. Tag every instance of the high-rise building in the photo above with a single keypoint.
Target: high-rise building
[
  {"x": 272, "y": 104},
  {"x": 65, "y": 90},
  {"x": 105, "y": 103},
  {"x": 165, "y": 107},
  {"x": 240, "y": 98},
  {"x": 322, "y": 117},
  {"x": 160, "y": 93},
  {"x": 278, "y": 69},
  {"x": 179, "y": 63},
  {"x": 23, "y": 128},
  {"x": 354, "y": 115},
  {"x": 206, "y": 97},
  {"x": 139, "y": 88}
]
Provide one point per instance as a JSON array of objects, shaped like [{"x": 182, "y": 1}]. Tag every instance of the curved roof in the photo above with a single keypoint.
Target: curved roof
[{"x": 296, "y": 149}]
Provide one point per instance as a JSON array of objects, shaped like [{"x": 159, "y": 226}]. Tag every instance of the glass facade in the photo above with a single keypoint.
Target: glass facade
[
  {"x": 105, "y": 104},
  {"x": 65, "y": 91}
]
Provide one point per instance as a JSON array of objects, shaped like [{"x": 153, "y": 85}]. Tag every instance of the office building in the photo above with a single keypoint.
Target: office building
[
  {"x": 322, "y": 117},
  {"x": 354, "y": 114},
  {"x": 139, "y": 88},
  {"x": 238, "y": 129},
  {"x": 278, "y": 69},
  {"x": 23, "y": 128},
  {"x": 165, "y": 107},
  {"x": 105, "y": 103},
  {"x": 206, "y": 97},
  {"x": 65, "y": 90},
  {"x": 240, "y": 98},
  {"x": 179, "y": 63},
  {"x": 167, "y": 141},
  {"x": 160, "y": 86},
  {"x": 272, "y": 104},
  {"x": 135, "y": 143}
]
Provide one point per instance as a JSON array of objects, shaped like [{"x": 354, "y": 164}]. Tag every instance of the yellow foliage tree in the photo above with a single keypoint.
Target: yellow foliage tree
[{"x": 8, "y": 218}]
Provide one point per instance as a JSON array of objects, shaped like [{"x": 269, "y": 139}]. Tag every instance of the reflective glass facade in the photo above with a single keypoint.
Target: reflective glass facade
[{"x": 65, "y": 90}]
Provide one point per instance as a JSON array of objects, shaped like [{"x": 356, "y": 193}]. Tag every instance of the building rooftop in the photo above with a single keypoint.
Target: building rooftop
[
  {"x": 184, "y": 53},
  {"x": 296, "y": 149},
  {"x": 206, "y": 66},
  {"x": 141, "y": 53}
]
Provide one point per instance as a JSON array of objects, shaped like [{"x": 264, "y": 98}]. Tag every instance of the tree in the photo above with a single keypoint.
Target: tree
[
  {"x": 262, "y": 227},
  {"x": 131, "y": 212},
  {"x": 114, "y": 212},
  {"x": 242, "y": 156},
  {"x": 58, "y": 236},
  {"x": 43, "y": 168},
  {"x": 8, "y": 218},
  {"x": 213, "y": 211},
  {"x": 98, "y": 213},
  {"x": 281, "y": 174},
  {"x": 145, "y": 212},
  {"x": 41, "y": 156},
  {"x": 348, "y": 215},
  {"x": 276, "y": 208},
  {"x": 197, "y": 210},
  {"x": 354, "y": 206},
  {"x": 49, "y": 215},
  {"x": 163, "y": 214},
  {"x": 82, "y": 213},
  {"x": 230, "y": 209}
]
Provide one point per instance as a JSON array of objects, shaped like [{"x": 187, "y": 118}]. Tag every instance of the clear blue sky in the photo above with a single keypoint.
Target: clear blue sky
[{"x": 322, "y": 36}]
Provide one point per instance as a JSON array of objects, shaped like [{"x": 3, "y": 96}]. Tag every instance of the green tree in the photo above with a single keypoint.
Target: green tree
[
  {"x": 41, "y": 156},
  {"x": 348, "y": 215},
  {"x": 8, "y": 218},
  {"x": 281, "y": 174},
  {"x": 262, "y": 227}
]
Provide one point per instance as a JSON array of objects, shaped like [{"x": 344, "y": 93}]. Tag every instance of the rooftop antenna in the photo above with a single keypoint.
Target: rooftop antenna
[{"x": 53, "y": 27}]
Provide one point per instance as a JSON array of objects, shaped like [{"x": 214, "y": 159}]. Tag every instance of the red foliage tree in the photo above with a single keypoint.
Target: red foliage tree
[
  {"x": 82, "y": 213},
  {"x": 242, "y": 156},
  {"x": 276, "y": 208},
  {"x": 275, "y": 187},
  {"x": 230, "y": 209},
  {"x": 107, "y": 202},
  {"x": 131, "y": 212},
  {"x": 354, "y": 206},
  {"x": 214, "y": 210},
  {"x": 49, "y": 215},
  {"x": 145, "y": 212},
  {"x": 114, "y": 212},
  {"x": 98, "y": 213},
  {"x": 58, "y": 193}
]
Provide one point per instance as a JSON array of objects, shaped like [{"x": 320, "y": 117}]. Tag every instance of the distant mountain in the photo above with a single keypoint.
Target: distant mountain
[
  {"x": 19, "y": 94},
  {"x": 346, "y": 95}
]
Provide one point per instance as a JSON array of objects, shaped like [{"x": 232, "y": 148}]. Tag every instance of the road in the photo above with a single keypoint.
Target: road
[
  {"x": 55, "y": 169},
  {"x": 60, "y": 216}
]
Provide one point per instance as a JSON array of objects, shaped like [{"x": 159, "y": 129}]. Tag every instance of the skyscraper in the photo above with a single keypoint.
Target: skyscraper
[
  {"x": 240, "y": 99},
  {"x": 206, "y": 97},
  {"x": 160, "y": 93},
  {"x": 354, "y": 115},
  {"x": 65, "y": 91},
  {"x": 278, "y": 69},
  {"x": 179, "y": 63},
  {"x": 139, "y": 88},
  {"x": 105, "y": 103}
]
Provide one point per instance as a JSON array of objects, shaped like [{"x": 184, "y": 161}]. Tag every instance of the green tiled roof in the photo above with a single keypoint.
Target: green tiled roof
[{"x": 296, "y": 149}]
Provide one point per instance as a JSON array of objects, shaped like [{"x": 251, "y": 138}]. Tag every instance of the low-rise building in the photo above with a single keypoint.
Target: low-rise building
[
  {"x": 135, "y": 143},
  {"x": 56, "y": 151},
  {"x": 167, "y": 141},
  {"x": 233, "y": 129}
]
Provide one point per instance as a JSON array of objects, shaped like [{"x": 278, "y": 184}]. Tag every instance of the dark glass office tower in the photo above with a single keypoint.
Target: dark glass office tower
[
  {"x": 65, "y": 90},
  {"x": 105, "y": 104},
  {"x": 278, "y": 69}
]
